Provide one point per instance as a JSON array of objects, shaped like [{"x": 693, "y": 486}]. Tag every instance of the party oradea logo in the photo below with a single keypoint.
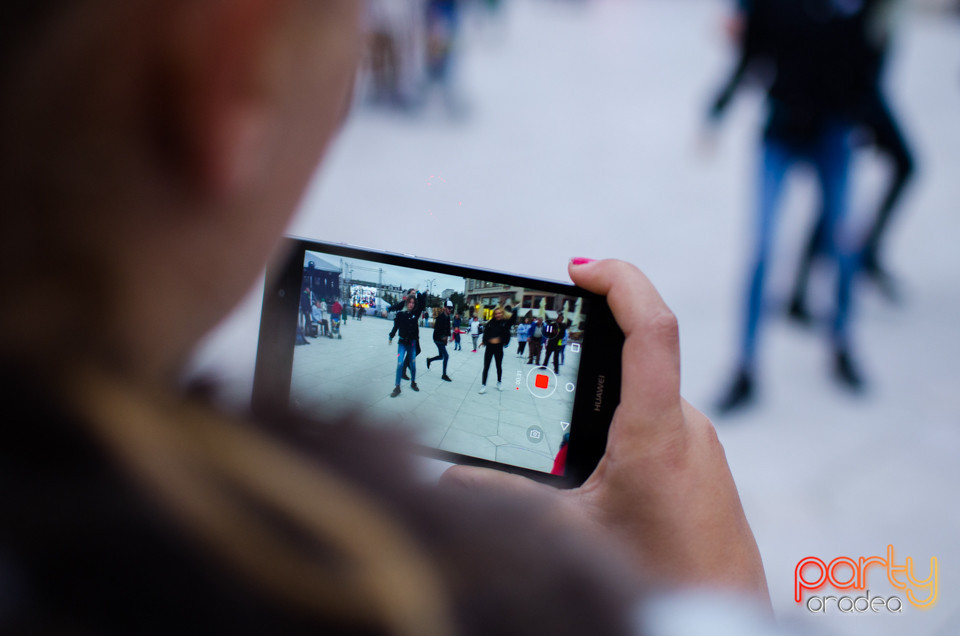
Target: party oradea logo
[{"x": 853, "y": 576}]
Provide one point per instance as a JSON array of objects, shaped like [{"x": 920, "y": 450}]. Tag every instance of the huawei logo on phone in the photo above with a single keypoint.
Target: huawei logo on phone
[{"x": 598, "y": 400}]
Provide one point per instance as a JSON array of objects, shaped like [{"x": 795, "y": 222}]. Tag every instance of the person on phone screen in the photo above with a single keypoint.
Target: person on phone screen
[
  {"x": 536, "y": 341},
  {"x": 456, "y": 332},
  {"x": 496, "y": 336},
  {"x": 523, "y": 334},
  {"x": 474, "y": 331},
  {"x": 562, "y": 345},
  {"x": 306, "y": 310},
  {"x": 320, "y": 319},
  {"x": 441, "y": 335},
  {"x": 422, "y": 300},
  {"x": 408, "y": 346},
  {"x": 139, "y": 132},
  {"x": 554, "y": 332},
  {"x": 336, "y": 317}
]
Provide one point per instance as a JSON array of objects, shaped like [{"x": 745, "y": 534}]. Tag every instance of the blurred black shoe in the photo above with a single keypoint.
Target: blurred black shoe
[
  {"x": 846, "y": 372},
  {"x": 428, "y": 364},
  {"x": 413, "y": 385},
  {"x": 405, "y": 376},
  {"x": 396, "y": 391},
  {"x": 798, "y": 313},
  {"x": 446, "y": 377},
  {"x": 739, "y": 395}
]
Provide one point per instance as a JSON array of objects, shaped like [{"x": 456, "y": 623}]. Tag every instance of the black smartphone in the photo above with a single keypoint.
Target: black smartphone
[{"x": 503, "y": 370}]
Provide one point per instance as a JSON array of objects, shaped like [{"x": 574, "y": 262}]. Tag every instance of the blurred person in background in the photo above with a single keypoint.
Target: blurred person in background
[
  {"x": 139, "y": 132},
  {"x": 877, "y": 126},
  {"x": 752, "y": 66},
  {"x": 812, "y": 53},
  {"x": 395, "y": 37},
  {"x": 442, "y": 40}
]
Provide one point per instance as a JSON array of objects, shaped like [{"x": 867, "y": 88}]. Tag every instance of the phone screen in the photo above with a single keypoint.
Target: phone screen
[{"x": 493, "y": 366}]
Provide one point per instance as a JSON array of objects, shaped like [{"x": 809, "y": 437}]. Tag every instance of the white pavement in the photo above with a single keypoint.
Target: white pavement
[{"x": 582, "y": 141}]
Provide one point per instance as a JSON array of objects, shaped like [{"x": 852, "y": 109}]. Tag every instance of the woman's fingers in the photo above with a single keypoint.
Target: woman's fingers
[{"x": 651, "y": 352}]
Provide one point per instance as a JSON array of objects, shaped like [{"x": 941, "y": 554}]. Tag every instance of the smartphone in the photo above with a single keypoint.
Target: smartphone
[{"x": 325, "y": 349}]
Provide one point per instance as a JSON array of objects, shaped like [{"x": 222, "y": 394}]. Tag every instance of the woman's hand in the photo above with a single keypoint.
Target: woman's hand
[{"x": 663, "y": 486}]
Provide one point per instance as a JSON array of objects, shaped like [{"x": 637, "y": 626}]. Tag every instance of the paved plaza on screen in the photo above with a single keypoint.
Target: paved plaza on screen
[{"x": 511, "y": 426}]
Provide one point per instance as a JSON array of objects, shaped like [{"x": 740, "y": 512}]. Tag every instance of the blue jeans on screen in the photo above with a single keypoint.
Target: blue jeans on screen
[
  {"x": 442, "y": 353},
  {"x": 406, "y": 352}
]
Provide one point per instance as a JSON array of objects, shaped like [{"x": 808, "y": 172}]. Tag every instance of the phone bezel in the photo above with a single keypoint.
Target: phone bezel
[{"x": 600, "y": 368}]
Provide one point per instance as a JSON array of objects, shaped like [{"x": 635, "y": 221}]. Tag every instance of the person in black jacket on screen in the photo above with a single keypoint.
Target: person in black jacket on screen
[
  {"x": 496, "y": 336},
  {"x": 441, "y": 335},
  {"x": 554, "y": 332},
  {"x": 398, "y": 306},
  {"x": 405, "y": 323}
]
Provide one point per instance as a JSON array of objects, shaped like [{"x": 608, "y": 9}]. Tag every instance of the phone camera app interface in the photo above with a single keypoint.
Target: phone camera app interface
[{"x": 475, "y": 367}]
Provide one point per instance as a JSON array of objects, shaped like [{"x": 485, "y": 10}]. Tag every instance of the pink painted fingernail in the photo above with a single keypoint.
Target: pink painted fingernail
[{"x": 579, "y": 260}]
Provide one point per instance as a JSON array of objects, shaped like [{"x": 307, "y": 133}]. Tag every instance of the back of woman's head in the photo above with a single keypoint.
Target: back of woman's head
[{"x": 147, "y": 143}]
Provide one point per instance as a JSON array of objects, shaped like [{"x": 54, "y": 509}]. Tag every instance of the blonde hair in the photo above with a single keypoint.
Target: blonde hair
[{"x": 201, "y": 465}]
